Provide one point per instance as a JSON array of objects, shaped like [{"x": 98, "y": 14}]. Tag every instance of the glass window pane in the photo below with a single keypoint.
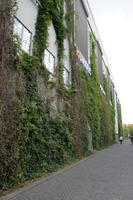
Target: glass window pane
[
  {"x": 49, "y": 61},
  {"x": 51, "y": 67},
  {"x": 26, "y": 40},
  {"x": 46, "y": 58},
  {"x": 17, "y": 28},
  {"x": 66, "y": 77}
]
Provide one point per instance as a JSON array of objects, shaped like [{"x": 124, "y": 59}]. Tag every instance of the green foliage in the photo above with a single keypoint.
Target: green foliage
[
  {"x": 91, "y": 105},
  {"x": 107, "y": 121},
  {"x": 120, "y": 129},
  {"x": 49, "y": 11},
  {"x": 127, "y": 130},
  {"x": 105, "y": 83},
  {"x": 111, "y": 94},
  {"x": 131, "y": 132},
  {"x": 113, "y": 121},
  {"x": 108, "y": 114},
  {"x": 93, "y": 112},
  {"x": 44, "y": 142}
]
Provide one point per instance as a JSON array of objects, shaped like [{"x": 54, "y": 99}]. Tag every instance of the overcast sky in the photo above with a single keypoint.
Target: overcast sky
[{"x": 114, "y": 19}]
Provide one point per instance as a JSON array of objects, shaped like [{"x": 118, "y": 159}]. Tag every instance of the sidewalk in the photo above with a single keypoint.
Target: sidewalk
[{"x": 106, "y": 175}]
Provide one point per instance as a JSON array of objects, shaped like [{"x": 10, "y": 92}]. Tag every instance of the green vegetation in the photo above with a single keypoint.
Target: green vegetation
[
  {"x": 48, "y": 131},
  {"x": 127, "y": 130},
  {"x": 43, "y": 142},
  {"x": 120, "y": 129},
  {"x": 105, "y": 83}
]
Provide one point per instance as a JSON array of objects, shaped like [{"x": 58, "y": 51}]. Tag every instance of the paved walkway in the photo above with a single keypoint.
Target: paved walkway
[{"x": 106, "y": 175}]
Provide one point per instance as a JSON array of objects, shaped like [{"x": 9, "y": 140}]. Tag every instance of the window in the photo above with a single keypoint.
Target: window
[
  {"x": 49, "y": 61},
  {"x": 24, "y": 35},
  {"x": 66, "y": 76},
  {"x": 66, "y": 63}
]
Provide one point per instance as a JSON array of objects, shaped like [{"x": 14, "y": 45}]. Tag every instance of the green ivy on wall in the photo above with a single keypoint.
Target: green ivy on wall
[
  {"x": 120, "y": 129},
  {"x": 94, "y": 108},
  {"x": 105, "y": 83},
  {"x": 48, "y": 141},
  {"x": 45, "y": 142}
]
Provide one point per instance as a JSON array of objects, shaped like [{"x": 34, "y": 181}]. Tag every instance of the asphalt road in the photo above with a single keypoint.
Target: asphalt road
[{"x": 106, "y": 175}]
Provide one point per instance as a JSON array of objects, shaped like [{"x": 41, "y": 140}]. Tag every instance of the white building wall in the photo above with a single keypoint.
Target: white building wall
[
  {"x": 67, "y": 63},
  {"x": 52, "y": 42},
  {"x": 27, "y": 14}
]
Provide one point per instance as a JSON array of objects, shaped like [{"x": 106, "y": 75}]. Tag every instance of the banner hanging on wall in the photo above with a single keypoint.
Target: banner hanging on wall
[{"x": 83, "y": 60}]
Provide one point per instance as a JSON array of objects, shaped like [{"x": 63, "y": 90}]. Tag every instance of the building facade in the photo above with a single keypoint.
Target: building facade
[
  {"x": 64, "y": 98},
  {"x": 84, "y": 25}
]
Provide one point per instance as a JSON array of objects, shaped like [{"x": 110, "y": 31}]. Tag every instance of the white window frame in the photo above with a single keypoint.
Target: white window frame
[
  {"x": 21, "y": 36},
  {"x": 49, "y": 60}
]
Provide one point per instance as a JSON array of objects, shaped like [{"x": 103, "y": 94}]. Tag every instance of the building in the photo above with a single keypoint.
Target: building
[
  {"x": 84, "y": 25},
  {"x": 24, "y": 26},
  {"x": 61, "y": 108}
]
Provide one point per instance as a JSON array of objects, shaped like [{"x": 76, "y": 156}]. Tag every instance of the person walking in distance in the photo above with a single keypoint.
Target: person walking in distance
[{"x": 121, "y": 139}]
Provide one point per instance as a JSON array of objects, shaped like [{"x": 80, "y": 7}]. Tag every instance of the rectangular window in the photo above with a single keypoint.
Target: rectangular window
[
  {"x": 24, "y": 35},
  {"x": 66, "y": 76},
  {"x": 49, "y": 61},
  {"x": 18, "y": 28}
]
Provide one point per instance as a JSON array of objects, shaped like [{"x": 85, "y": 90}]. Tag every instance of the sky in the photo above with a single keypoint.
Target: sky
[{"x": 114, "y": 20}]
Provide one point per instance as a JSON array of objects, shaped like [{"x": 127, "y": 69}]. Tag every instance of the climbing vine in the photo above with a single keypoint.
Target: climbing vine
[
  {"x": 47, "y": 142},
  {"x": 44, "y": 138},
  {"x": 43, "y": 141},
  {"x": 105, "y": 84},
  {"x": 120, "y": 129}
]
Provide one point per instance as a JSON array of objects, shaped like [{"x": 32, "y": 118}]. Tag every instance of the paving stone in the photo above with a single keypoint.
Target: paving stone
[{"x": 106, "y": 175}]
